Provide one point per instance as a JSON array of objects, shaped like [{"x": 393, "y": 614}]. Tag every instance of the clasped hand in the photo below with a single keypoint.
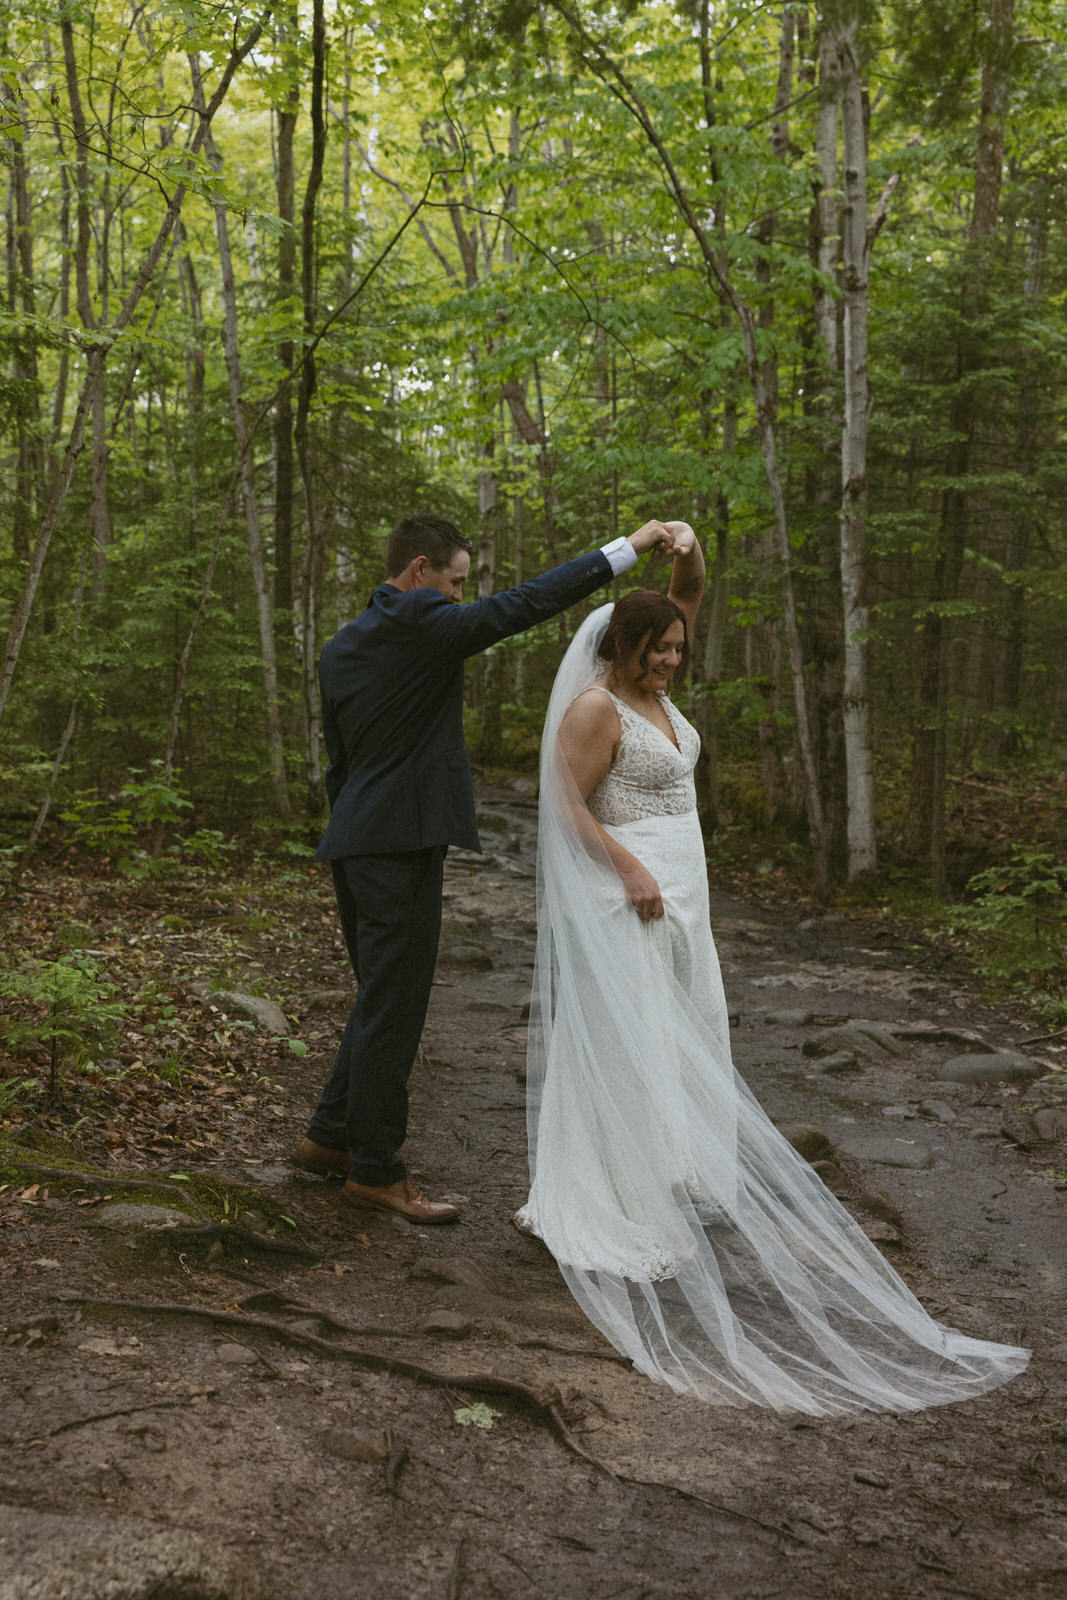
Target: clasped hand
[{"x": 663, "y": 538}]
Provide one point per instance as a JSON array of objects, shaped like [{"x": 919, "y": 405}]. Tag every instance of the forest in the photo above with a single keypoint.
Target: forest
[{"x": 795, "y": 273}]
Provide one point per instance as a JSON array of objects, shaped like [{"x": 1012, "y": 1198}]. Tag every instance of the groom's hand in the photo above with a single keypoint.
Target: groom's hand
[
  {"x": 682, "y": 536},
  {"x": 655, "y": 536}
]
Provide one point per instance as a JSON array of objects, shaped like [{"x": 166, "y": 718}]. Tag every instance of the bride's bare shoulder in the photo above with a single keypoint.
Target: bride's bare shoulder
[{"x": 592, "y": 712}]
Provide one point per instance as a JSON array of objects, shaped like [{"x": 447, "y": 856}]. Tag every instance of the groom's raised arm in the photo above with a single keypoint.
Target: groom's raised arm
[{"x": 467, "y": 629}]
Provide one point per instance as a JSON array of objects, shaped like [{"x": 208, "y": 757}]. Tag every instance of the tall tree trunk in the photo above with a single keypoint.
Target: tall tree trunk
[
  {"x": 926, "y": 820},
  {"x": 246, "y": 465},
  {"x": 855, "y": 252},
  {"x": 29, "y": 469},
  {"x": 284, "y": 478},
  {"x": 313, "y": 558}
]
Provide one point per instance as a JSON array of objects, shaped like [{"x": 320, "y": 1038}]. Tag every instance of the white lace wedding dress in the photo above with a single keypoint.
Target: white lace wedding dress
[{"x": 686, "y": 1226}]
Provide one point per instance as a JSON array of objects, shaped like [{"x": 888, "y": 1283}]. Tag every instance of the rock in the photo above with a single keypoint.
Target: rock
[
  {"x": 834, "y": 1177},
  {"x": 356, "y": 1444},
  {"x": 125, "y": 1215},
  {"x": 440, "y": 1323},
  {"x": 465, "y": 953},
  {"x": 45, "y": 1556},
  {"x": 842, "y": 1061},
  {"x": 998, "y": 1066},
  {"x": 897, "y": 1111},
  {"x": 452, "y": 1269},
  {"x": 809, "y": 1142},
  {"x": 1050, "y": 1122},
  {"x": 789, "y": 1018},
  {"x": 878, "y": 1205},
  {"x": 880, "y": 1232},
  {"x": 938, "y": 1109},
  {"x": 872, "y": 1039},
  {"x": 235, "y": 1355},
  {"x": 266, "y": 1014},
  {"x": 326, "y": 999},
  {"x": 891, "y": 1152}
]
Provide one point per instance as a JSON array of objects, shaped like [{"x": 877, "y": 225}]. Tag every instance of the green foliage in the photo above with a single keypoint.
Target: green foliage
[
  {"x": 66, "y": 1009},
  {"x": 1016, "y": 920}
]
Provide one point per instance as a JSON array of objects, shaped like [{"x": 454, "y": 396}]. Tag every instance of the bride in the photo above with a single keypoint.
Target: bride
[{"x": 688, "y": 1229}]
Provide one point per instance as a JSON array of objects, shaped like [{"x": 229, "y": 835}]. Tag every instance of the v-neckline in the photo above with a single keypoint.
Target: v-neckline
[{"x": 670, "y": 737}]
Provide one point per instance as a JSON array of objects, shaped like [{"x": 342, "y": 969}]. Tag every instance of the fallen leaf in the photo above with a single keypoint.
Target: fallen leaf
[{"x": 476, "y": 1416}]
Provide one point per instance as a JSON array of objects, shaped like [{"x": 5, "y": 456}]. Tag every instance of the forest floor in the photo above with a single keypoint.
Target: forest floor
[{"x": 278, "y": 1396}]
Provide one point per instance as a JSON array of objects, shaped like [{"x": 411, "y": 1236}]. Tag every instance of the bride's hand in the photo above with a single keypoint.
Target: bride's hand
[
  {"x": 683, "y": 536},
  {"x": 642, "y": 891}
]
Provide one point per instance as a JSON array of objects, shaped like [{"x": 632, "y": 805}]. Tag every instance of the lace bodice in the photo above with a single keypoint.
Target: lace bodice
[{"x": 650, "y": 777}]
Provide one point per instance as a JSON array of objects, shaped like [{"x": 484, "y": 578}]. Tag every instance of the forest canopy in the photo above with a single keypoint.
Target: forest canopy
[{"x": 277, "y": 274}]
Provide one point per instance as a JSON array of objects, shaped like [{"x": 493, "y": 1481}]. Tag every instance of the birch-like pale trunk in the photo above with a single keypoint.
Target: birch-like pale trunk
[
  {"x": 261, "y": 577},
  {"x": 855, "y": 251}
]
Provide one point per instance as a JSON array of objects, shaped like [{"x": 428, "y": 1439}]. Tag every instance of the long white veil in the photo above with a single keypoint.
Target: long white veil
[{"x": 688, "y": 1229}]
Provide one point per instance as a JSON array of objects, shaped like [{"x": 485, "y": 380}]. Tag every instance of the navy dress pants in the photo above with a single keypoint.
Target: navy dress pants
[{"x": 390, "y": 909}]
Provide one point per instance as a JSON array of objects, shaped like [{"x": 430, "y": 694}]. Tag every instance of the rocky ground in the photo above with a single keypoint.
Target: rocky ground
[{"x": 220, "y": 1382}]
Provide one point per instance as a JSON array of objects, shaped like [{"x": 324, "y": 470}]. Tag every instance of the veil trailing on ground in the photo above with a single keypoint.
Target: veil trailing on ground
[{"x": 688, "y": 1229}]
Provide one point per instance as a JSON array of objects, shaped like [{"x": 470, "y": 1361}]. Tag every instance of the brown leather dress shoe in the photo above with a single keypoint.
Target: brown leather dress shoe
[
  {"x": 312, "y": 1157},
  {"x": 403, "y": 1198}
]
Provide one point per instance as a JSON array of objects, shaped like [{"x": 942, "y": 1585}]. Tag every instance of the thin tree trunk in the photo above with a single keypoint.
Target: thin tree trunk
[
  {"x": 926, "y": 820},
  {"x": 313, "y": 562},
  {"x": 284, "y": 478},
  {"x": 246, "y": 462}
]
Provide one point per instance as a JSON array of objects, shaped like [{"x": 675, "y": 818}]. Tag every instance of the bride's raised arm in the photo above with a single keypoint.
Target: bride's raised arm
[
  {"x": 589, "y": 740},
  {"x": 687, "y": 574}
]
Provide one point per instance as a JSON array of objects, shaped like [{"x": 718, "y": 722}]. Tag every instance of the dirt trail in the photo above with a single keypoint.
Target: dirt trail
[{"x": 273, "y": 1466}]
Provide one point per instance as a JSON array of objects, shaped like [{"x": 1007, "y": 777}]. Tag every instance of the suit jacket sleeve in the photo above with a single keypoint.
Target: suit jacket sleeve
[
  {"x": 465, "y": 630},
  {"x": 337, "y": 771}
]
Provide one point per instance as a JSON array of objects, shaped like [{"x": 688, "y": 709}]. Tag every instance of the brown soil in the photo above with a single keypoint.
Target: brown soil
[{"x": 333, "y": 1476}]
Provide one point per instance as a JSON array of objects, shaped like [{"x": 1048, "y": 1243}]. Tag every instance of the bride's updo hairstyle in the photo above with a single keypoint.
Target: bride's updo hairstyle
[{"x": 641, "y": 618}]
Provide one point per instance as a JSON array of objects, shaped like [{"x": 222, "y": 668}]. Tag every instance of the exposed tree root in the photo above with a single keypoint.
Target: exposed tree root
[
  {"x": 236, "y": 1233},
  {"x": 543, "y": 1410},
  {"x": 102, "y": 1180}
]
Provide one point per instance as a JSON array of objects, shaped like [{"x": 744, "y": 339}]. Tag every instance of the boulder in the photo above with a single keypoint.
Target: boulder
[
  {"x": 877, "y": 1205},
  {"x": 840, "y": 1062},
  {"x": 834, "y": 1177},
  {"x": 440, "y": 1323},
  {"x": 873, "y": 1039},
  {"x": 123, "y": 1215},
  {"x": 898, "y": 1152},
  {"x": 1050, "y": 1123},
  {"x": 452, "y": 1269},
  {"x": 937, "y": 1109},
  {"x": 327, "y": 999},
  {"x": 266, "y": 1014},
  {"x": 998, "y": 1066},
  {"x": 809, "y": 1142}
]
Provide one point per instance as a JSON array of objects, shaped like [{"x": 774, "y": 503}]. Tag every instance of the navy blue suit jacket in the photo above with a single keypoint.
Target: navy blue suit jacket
[{"x": 392, "y": 708}]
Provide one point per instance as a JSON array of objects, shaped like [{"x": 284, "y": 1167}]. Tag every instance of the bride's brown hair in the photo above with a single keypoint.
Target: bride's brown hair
[{"x": 642, "y": 615}]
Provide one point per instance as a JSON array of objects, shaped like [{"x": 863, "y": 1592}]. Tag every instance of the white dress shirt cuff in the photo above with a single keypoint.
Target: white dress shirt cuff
[{"x": 621, "y": 556}]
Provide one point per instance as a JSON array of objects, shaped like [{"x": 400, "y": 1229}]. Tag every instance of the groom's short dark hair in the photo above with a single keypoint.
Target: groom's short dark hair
[{"x": 423, "y": 534}]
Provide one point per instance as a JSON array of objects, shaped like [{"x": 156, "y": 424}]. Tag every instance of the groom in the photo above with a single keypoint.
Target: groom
[{"x": 400, "y": 793}]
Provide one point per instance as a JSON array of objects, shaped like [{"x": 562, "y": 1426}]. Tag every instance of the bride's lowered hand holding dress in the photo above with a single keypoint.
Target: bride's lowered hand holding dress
[{"x": 688, "y": 1229}]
